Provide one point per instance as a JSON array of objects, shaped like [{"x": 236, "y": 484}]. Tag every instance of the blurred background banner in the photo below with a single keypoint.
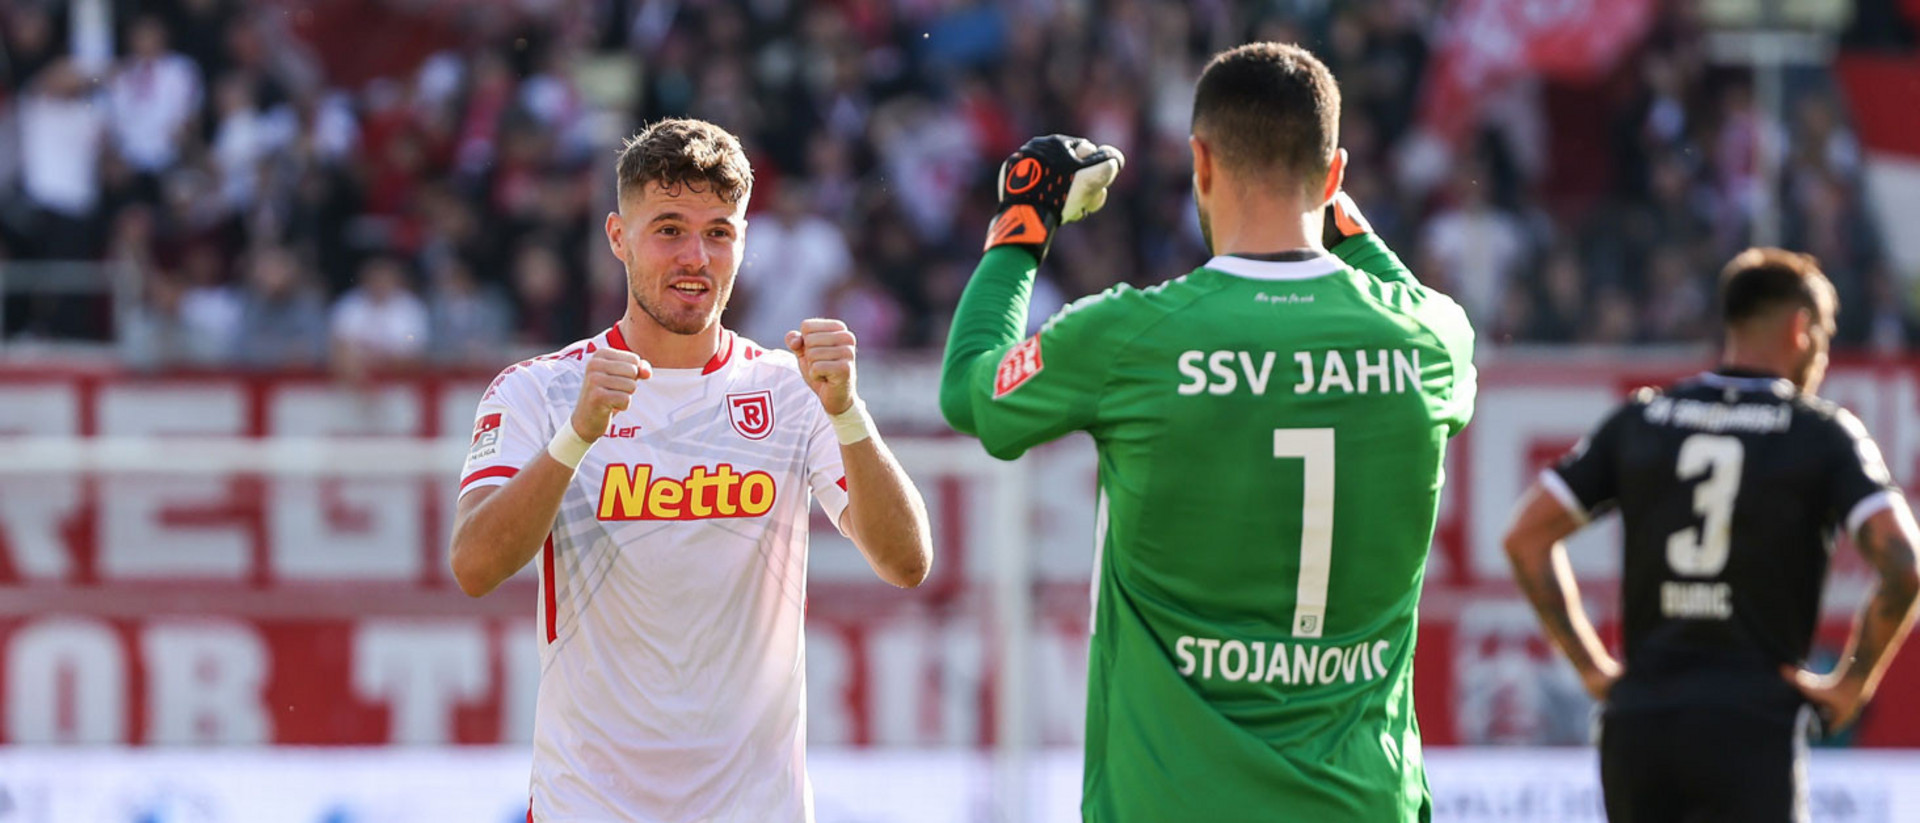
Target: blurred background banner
[
  {"x": 242, "y": 559},
  {"x": 258, "y": 259},
  {"x": 1486, "y": 45}
]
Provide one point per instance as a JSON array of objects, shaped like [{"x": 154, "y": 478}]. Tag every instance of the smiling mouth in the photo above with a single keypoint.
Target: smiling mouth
[{"x": 690, "y": 288}]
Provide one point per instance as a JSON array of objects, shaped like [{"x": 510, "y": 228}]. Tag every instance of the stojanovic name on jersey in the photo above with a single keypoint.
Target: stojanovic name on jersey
[{"x": 1254, "y": 661}]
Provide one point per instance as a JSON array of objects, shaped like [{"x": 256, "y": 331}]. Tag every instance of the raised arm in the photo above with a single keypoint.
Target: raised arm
[
  {"x": 885, "y": 516},
  {"x": 1887, "y": 540},
  {"x": 1049, "y": 182},
  {"x": 497, "y": 530},
  {"x": 1541, "y": 569},
  {"x": 992, "y": 316}
]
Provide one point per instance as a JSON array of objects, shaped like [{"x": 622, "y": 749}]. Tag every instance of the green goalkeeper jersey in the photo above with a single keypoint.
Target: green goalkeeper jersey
[{"x": 1270, "y": 437}]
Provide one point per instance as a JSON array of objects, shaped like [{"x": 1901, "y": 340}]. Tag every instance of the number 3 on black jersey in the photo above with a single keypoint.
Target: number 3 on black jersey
[{"x": 1715, "y": 460}]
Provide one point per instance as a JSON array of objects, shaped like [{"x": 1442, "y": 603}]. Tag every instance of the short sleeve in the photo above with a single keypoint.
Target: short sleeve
[
  {"x": 826, "y": 473},
  {"x": 509, "y": 428},
  {"x": 1457, "y": 335},
  {"x": 1586, "y": 480},
  {"x": 1860, "y": 485},
  {"x": 1046, "y": 385},
  {"x": 1450, "y": 396}
]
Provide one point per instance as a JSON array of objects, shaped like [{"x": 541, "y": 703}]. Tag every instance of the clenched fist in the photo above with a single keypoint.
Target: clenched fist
[
  {"x": 825, "y": 349},
  {"x": 611, "y": 378}
]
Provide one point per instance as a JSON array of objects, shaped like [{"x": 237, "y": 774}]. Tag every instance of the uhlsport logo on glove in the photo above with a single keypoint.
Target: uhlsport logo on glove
[{"x": 1025, "y": 175}]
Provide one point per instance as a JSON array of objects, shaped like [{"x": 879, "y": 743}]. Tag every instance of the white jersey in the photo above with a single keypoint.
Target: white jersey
[{"x": 673, "y": 585}]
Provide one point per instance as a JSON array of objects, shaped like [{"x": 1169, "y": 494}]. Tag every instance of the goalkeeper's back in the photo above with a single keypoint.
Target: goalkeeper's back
[
  {"x": 1271, "y": 431},
  {"x": 1271, "y": 436}
]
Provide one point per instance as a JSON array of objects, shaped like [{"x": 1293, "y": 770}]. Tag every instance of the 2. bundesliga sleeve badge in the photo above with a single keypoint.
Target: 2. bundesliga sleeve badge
[
  {"x": 486, "y": 438},
  {"x": 751, "y": 414},
  {"x": 1020, "y": 365}
]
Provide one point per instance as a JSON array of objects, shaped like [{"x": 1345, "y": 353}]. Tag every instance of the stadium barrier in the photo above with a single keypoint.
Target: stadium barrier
[{"x": 487, "y": 784}]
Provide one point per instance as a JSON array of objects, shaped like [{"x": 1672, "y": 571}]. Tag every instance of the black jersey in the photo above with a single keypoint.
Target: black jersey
[{"x": 1731, "y": 487}]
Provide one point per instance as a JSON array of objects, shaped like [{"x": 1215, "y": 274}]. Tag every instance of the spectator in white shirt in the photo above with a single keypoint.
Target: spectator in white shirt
[
  {"x": 61, "y": 129},
  {"x": 1476, "y": 247},
  {"x": 379, "y": 323},
  {"x": 156, "y": 95},
  {"x": 795, "y": 259},
  {"x": 245, "y": 136}
]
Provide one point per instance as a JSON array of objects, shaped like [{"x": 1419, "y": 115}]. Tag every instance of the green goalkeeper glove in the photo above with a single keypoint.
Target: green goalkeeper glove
[
  {"x": 1050, "y": 181},
  {"x": 1342, "y": 221}
]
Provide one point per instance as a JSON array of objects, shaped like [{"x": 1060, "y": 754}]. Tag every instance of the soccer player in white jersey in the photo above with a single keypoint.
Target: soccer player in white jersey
[{"x": 661, "y": 472}]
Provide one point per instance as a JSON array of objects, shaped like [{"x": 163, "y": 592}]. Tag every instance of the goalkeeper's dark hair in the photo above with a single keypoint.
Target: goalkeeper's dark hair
[
  {"x": 1760, "y": 282},
  {"x": 682, "y": 153},
  {"x": 1269, "y": 107}
]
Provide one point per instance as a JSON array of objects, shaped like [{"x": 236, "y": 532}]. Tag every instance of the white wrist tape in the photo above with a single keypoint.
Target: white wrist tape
[
  {"x": 567, "y": 446},
  {"x": 853, "y": 425}
]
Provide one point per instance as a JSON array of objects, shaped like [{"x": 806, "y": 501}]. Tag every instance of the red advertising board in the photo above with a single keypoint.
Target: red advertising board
[{"x": 251, "y": 607}]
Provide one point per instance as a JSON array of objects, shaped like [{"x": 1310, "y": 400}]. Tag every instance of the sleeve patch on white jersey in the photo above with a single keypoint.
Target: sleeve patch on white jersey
[
  {"x": 1020, "y": 365},
  {"x": 486, "y": 437}
]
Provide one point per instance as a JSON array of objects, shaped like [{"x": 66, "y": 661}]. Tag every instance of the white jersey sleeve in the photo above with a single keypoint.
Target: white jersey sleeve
[
  {"x": 510, "y": 427},
  {"x": 826, "y": 475}
]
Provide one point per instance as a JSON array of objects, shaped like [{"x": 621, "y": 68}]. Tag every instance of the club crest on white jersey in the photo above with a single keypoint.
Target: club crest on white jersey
[{"x": 751, "y": 413}]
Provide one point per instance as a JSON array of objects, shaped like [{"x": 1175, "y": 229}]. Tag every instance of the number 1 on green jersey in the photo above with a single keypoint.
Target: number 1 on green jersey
[{"x": 1314, "y": 447}]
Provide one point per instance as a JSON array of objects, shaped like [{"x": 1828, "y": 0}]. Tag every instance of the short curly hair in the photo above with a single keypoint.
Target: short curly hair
[{"x": 683, "y": 152}]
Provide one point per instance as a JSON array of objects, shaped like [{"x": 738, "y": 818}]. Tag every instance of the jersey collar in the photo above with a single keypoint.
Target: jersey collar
[
  {"x": 619, "y": 341},
  {"x": 1744, "y": 380},
  {"x": 1318, "y": 265}
]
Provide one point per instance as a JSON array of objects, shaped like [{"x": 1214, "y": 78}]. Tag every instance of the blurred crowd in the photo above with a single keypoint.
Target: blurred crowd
[{"x": 384, "y": 183}]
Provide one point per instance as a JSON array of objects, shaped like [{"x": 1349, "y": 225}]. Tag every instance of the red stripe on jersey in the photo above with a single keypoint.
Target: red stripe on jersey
[
  {"x": 616, "y": 339},
  {"x": 720, "y": 357},
  {"x": 493, "y": 471},
  {"x": 529, "y": 810},
  {"x": 546, "y": 587},
  {"x": 843, "y": 483}
]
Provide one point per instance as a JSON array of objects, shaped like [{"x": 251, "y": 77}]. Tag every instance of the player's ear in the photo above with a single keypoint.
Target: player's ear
[
  {"x": 1336, "y": 176},
  {"x": 1800, "y": 330},
  {"x": 1202, "y": 164},
  {"x": 616, "y": 231}
]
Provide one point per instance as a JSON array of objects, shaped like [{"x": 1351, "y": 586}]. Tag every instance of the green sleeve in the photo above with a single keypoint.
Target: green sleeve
[
  {"x": 1449, "y": 322},
  {"x": 1369, "y": 254},
  {"x": 1014, "y": 394},
  {"x": 992, "y": 315}
]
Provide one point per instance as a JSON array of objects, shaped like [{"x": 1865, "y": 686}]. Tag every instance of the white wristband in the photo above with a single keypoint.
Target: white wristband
[
  {"x": 567, "y": 446},
  {"x": 853, "y": 425}
]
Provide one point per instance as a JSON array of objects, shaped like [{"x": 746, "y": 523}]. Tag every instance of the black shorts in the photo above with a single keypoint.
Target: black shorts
[{"x": 1704, "y": 766}]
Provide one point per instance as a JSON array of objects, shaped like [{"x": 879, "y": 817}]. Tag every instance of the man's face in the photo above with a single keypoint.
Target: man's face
[{"x": 681, "y": 249}]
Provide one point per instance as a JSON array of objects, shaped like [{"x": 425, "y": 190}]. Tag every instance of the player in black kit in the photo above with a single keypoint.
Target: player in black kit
[{"x": 1731, "y": 487}]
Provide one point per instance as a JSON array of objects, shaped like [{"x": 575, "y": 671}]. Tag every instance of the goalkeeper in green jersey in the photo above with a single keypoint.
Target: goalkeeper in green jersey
[{"x": 1271, "y": 428}]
